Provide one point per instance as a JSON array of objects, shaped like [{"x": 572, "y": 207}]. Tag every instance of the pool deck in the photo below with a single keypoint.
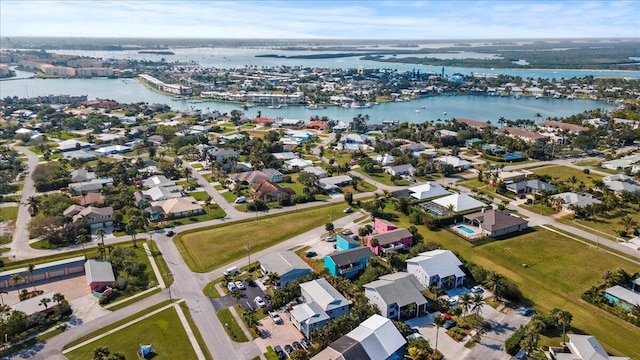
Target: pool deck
[{"x": 476, "y": 231}]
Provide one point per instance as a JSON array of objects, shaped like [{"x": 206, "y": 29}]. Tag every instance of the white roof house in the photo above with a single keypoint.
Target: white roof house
[
  {"x": 428, "y": 191},
  {"x": 299, "y": 163},
  {"x": 384, "y": 160},
  {"x": 159, "y": 193},
  {"x": 460, "y": 202},
  {"x": 321, "y": 303},
  {"x": 318, "y": 171},
  {"x": 586, "y": 347},
  {"x": 569, "y": 200},
  {"x": 287, "y": 264},
  {"x": 181, "y": 206},
  {"x": 157, "y": 180},
  {"x": 454, "y": 161},
  {"x": 68, "y": 145},
  {"x": 438, "y": 267}
]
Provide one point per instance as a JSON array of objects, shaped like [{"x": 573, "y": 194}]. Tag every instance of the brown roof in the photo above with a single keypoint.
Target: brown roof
[
  {"x": 473, "y": 123},
  {"x": 562, "y": 125},
  {"x": 494, "y": 220},
  {"x": 264, "y": 188},
  {"x": 522, "y": 133},
  {"x": 90, "y": 198}
]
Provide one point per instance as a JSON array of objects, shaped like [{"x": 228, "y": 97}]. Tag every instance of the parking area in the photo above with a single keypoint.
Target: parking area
[
  {"x": 72, "y": 287},
  {"x": 247, "y": 300},
  {"x": 450, "y": 348},
  {"x": 277, "y": 334}
]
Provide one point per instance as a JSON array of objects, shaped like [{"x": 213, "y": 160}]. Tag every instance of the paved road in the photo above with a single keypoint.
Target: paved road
[
  {"x": 491, "y": 345},
  {"x": 20, "y": 244}
]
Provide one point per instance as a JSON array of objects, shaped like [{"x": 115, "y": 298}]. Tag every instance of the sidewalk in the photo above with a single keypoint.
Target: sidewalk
[{"x": 154, "y": 266}]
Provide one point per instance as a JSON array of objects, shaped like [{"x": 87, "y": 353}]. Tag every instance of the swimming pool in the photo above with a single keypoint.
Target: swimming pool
[{"x": 465, "y": 229}]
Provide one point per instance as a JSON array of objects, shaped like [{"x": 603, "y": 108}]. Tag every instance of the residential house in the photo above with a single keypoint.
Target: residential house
[
  {"x": 384, "y": 160},
  {"x": 413, "y": 147},
  {"x": 473, "y": 123},
  {"x": 509, "y": 177},
  {"x": 95, "y": 217},
  {"x": 348, "y": 263},
  {"x": 453, "y": 204},
  {"x": 395, "y": 293},
  {"x": 346, "y": 242},
  {"x": 99, "y": 274},
  {"x": 316, "y": 170},
  {"x": 456, "y": 162},
  {"x": 399, "y": 170},
  {"x": 297, "y": 163},
  {"x": 72, "y": 210},
  {"x": 220, "y": 155},
  {"x": 526, "y": 135},
  {"x": 439, "y": 268},
  {"x": 71, "y": 145},
  {"x": 583, "y": 347},
  {"x": 250, "y": 177},
  {"x": 443, "y": 133},
  {"x": 273, "y": 175},
  {"x": 176, "y": 207},
  {"x": 157, "y": 180},
  {"x": 357, "y": 139},
  {"x": 623, "y": 297},
  {"x": 269, "y": 191},
  {"x": 554, "y": 126},
  {"x": 569, "y": 201},
  {"x": 82, "y": 175},
  {"x": 625, "y": 162},
  {"x": 334, "y": 183},
  {"x": 392, "y": 240},
  {"x": 89, "y": 198},
  {"x": 321, "y": 303},
  {"x": 621, "y": 182},
  {"x": 375, "y": 339},
  {"x": 114, "y": 149},
  {"x": 287, "y": 264},
  {"x": 160, "y": 193},
  {"x": 428, "y": 191},
  {"x": 495, "y": 223},
  {"x": 531, "y": 186},
  {"x": 93, "y": 185}
]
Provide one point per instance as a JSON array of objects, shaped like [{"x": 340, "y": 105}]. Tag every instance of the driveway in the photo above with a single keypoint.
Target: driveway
[
  {"x": 491, "y": 345},
  {"x": 450, "y": 348},
  {"x": 277, "y": 334}
]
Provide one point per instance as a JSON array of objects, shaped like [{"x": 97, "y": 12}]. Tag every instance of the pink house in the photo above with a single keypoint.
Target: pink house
[{"x": 387, "y": 237}]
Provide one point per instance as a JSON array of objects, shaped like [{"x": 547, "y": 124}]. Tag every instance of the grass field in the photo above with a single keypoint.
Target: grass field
[
  {"x": 559, "y": 271},
  {"x": 208, "y": 249},
  {"x": 231, "y": 326},
  {"x": 163, "y": 330},
  {"x": 563, "y": 173},
  {"x": 200, "y": 195},
  {"x": 588, "y": 163},
  {"x": 382, "y": 177},
  {"x": 539, "y": 209},
  {"x": 9, "y": 213}
]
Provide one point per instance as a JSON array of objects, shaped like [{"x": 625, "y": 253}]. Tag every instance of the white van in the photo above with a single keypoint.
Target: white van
[{"x": 230, "y": 271}]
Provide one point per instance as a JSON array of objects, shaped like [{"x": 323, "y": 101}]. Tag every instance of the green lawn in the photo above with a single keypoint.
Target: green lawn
[
  {"x": 200, "y": 195},
  {"x": 472, "y": 184},
  {"x": 608, "y": 222},
  {"x": 382, "y": 177},
  {"x": 588, "y": 163},
  {"x": 164, "y": 331},
  {"x": 9, "y": 213},
  {"x": 563, "y": 173},
  {"x": 539, "y": 209},
  {"x": 208, "y": 249},
  {"x": 11, "y": 188},
  {"x": 214, "y": 212},
  {"x": 231, "y": 326}
]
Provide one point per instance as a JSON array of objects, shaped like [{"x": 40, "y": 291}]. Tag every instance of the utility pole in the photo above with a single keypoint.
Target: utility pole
[
  {"x": 169, "y": 284},
  {"x": 248, "y": 247}
]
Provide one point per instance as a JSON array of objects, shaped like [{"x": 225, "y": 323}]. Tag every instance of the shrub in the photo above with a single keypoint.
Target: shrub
[
  {"x": 121, "y": 283},
  {"x": 512, "y": 345},
  {"x": 586, "y": 171},
  {"x": 457, "y": 334}
]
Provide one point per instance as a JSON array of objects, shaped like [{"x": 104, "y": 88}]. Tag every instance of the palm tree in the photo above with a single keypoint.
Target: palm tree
[
  {"x": 101, "y": 233},
  {"x": 451, "y": 209},
  {"x": 250, "y": 318},
  {"x": 272, "y": 278},
  {"x": 34, "y": 204},
  {"x": 30, "y": 268},
  {"x": 16, "y": 278},
  {"x": 564, "y": 318},
  {"x": 465, "y": 302},
  {"x": 45, "y": 302},
  {"x": 187, "y": 173},
  {"x": 627, "y": 222},
  {"x": 496, "y": 282},
  {"x": 237, "y": 295},
  {"x": 58, "y": 297},
  {"x": 414, "y": 353},
  {"x": 438, "y": 321},
  {"x": 477, "y": 303}
]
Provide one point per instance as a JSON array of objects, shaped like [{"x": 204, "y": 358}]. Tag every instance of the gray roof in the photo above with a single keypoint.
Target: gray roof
[
  {"x": 392, "y": 236},
  {"x": 399, "y": 288},
  {"x": 403, "y": 168},
  {"x": 494, "y": 220},
  {"x": 325, "y": 295},
  {"x": 344, "y": 258},
  {"x": 577, "y": 199},
  {"x": 617, "y": 185},
  {"x": 283, "y": 262},
  {"x": 624, "y": 294},
  {"x": 98, "y": 271},
  {"x": 535, "y": 184},
  {"x": 349, "y": 348}
]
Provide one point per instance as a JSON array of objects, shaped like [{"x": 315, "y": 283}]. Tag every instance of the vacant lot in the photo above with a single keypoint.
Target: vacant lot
[
  {"x": 211, "y": 248},
  {"x": 164, "y": 331},
  {"x": 563, "y": 173}
]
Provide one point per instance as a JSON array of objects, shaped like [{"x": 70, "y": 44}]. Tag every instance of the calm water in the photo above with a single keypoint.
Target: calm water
[
  {"x": 474, "y": 107},
  {"x": 234, "y": 57}
]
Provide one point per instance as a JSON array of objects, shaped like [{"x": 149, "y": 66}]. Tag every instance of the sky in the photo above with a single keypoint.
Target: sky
[{"x": 405, "y": 19}]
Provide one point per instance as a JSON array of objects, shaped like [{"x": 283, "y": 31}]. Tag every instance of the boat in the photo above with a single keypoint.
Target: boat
[
  {"x": 417, "y": 110},
  {"x": 315, "y": 107},
  {"x": 444, "y": 113},
  {"x": 423, "y": 107}
]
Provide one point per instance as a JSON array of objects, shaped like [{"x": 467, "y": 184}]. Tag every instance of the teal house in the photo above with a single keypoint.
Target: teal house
[
  {"x": 346, "y": 242},
  {"x": 348, "y": 263}
]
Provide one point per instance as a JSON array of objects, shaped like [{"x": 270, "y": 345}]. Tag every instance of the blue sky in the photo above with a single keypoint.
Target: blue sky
[{"x": 426, "y": 20}]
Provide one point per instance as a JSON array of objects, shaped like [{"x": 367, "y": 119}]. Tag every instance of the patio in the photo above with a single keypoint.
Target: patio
[{"x": 467, "y": 231}]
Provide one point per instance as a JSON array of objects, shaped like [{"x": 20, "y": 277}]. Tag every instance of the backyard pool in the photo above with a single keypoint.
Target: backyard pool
[{"x": 465, "y": 229}]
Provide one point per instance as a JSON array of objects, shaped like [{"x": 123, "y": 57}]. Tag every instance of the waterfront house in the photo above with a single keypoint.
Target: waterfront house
[
  {"x": 375, "y": 339},
  {"x": 496, "y": 223},
  {"x": 439, "y": 268},
  {"x": 321, "y": 303},
  {"x": 394, "y": 293},
  {"x": 287, "y": 264},
  {"x": 348, "y": 263}
]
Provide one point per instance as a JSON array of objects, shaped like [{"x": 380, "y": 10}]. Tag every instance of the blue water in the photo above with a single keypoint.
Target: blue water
[{"x": 465, "y": 229}]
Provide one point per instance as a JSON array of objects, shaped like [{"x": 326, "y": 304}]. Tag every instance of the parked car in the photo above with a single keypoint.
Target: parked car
[
  {"x": 275, "y": 317},
  {"x": 240, "y": 285},
  {"x": 311, "y": 254},
  {"x": 267, "y": 296},
  {"x": 526, "y": 311},
  {"x": 330, "y": 239},
  {"x": 259, "y": 302},
  {"x": 250, "y": 282},
  {"x": 278, "y": 350},
  {"x": 288, "y": 348},
  {"x": 305, "y": 343},
  {"x": 347, "y": 232},
  {"x": 232, "y": 287},
  {"x": 449, "y": 324},
  {"x": 170, "y": 233},
  {"x": 453, "y": 301},
  {"x": 477, "y": 290},
  {"x": 240, "y": 200},
  {"x": 296, "y": 345},
  {"x": 230, "y": 271},
  {"x": 347, "y": 210}
]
